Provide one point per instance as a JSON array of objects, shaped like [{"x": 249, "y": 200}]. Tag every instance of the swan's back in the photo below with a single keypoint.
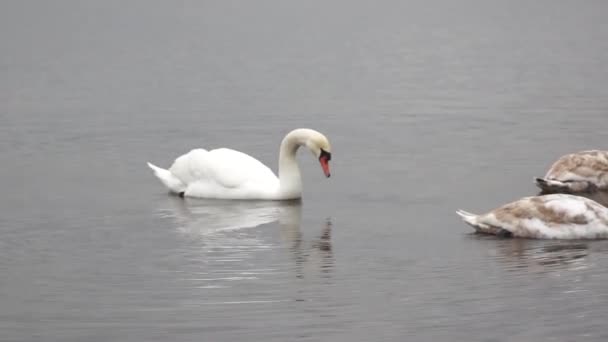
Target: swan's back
[
  {"x": 589, "y": 166},
  {"x": 223, "y": 167}
]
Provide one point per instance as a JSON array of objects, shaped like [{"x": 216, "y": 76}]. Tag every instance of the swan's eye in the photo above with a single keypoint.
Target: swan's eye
[{"x": 325, "y": 155}]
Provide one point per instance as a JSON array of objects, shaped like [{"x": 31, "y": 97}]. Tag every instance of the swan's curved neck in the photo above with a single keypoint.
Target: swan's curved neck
[{"x": 290, "y": 180}]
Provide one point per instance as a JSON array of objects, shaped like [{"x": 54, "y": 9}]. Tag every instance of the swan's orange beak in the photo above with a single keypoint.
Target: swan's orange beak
[
  {"x": 324, "y": 160},
  {"x": 325, "y": 166}
]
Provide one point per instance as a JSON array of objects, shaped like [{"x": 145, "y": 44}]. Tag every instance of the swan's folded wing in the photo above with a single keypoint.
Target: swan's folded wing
[
  {"x": 231, "y": 169},
  {"x": 190, "y": 167}
]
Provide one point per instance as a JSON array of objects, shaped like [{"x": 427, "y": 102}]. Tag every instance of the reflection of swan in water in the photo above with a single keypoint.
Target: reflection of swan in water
[
  {"x": 207, "y": 217},
  {"x": 542, "y": 256},
  {"x": 225, "y": 230},
  {"x": 315, "y": 253}
]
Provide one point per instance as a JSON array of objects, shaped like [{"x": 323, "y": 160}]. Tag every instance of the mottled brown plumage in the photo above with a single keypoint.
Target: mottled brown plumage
[
  {"x": 556, "y": 216},
  {"x": 583, "y": 173}
]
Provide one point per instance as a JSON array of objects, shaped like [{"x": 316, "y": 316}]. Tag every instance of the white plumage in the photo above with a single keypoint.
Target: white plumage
[{"x": 224, "y": 173}]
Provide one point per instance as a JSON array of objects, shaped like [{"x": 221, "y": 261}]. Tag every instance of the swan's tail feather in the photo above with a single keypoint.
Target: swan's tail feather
[
  {"x": 551, "y": 186},
  {"x": 467, "y": 217},
  {"x": 481, "y": 227},
  {"x": 168, "y": 179},
  {"x": 473, "y": 221}
]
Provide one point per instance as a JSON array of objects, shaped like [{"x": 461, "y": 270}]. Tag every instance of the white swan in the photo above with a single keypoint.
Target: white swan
[
  {"x": 228, "y": 174},
  {"x": 557, "y": 216},
  {"x": 583, "y": 173}
]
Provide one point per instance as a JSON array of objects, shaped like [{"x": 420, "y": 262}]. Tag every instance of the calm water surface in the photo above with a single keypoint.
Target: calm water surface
[{"x": 430, "y": 107}]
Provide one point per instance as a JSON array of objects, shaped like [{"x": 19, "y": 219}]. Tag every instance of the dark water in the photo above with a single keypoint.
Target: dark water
[{"x": 430, "y": 107}]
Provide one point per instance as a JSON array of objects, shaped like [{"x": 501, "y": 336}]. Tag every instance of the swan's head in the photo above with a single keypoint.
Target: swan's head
[
  {"x": 320, "y": 147},
  {"x": 316, "y": 142}
]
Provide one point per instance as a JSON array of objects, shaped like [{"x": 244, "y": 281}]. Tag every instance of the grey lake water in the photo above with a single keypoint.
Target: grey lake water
[{"x": 430, "y": 106}]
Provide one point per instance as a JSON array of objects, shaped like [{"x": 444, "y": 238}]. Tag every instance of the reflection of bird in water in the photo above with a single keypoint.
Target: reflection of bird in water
[
  {"x": 315, "y": 254},
  {"x": 204, "y": 217},
  {"x": 542, "y": 255},
  {"x": 323, "y": 245},
  {"x": 226, "y": 226},
  {"x": 324, "y": 241}
]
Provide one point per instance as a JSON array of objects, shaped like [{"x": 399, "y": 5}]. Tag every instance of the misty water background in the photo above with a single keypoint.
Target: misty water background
[{"x": 430, "y": 107}]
